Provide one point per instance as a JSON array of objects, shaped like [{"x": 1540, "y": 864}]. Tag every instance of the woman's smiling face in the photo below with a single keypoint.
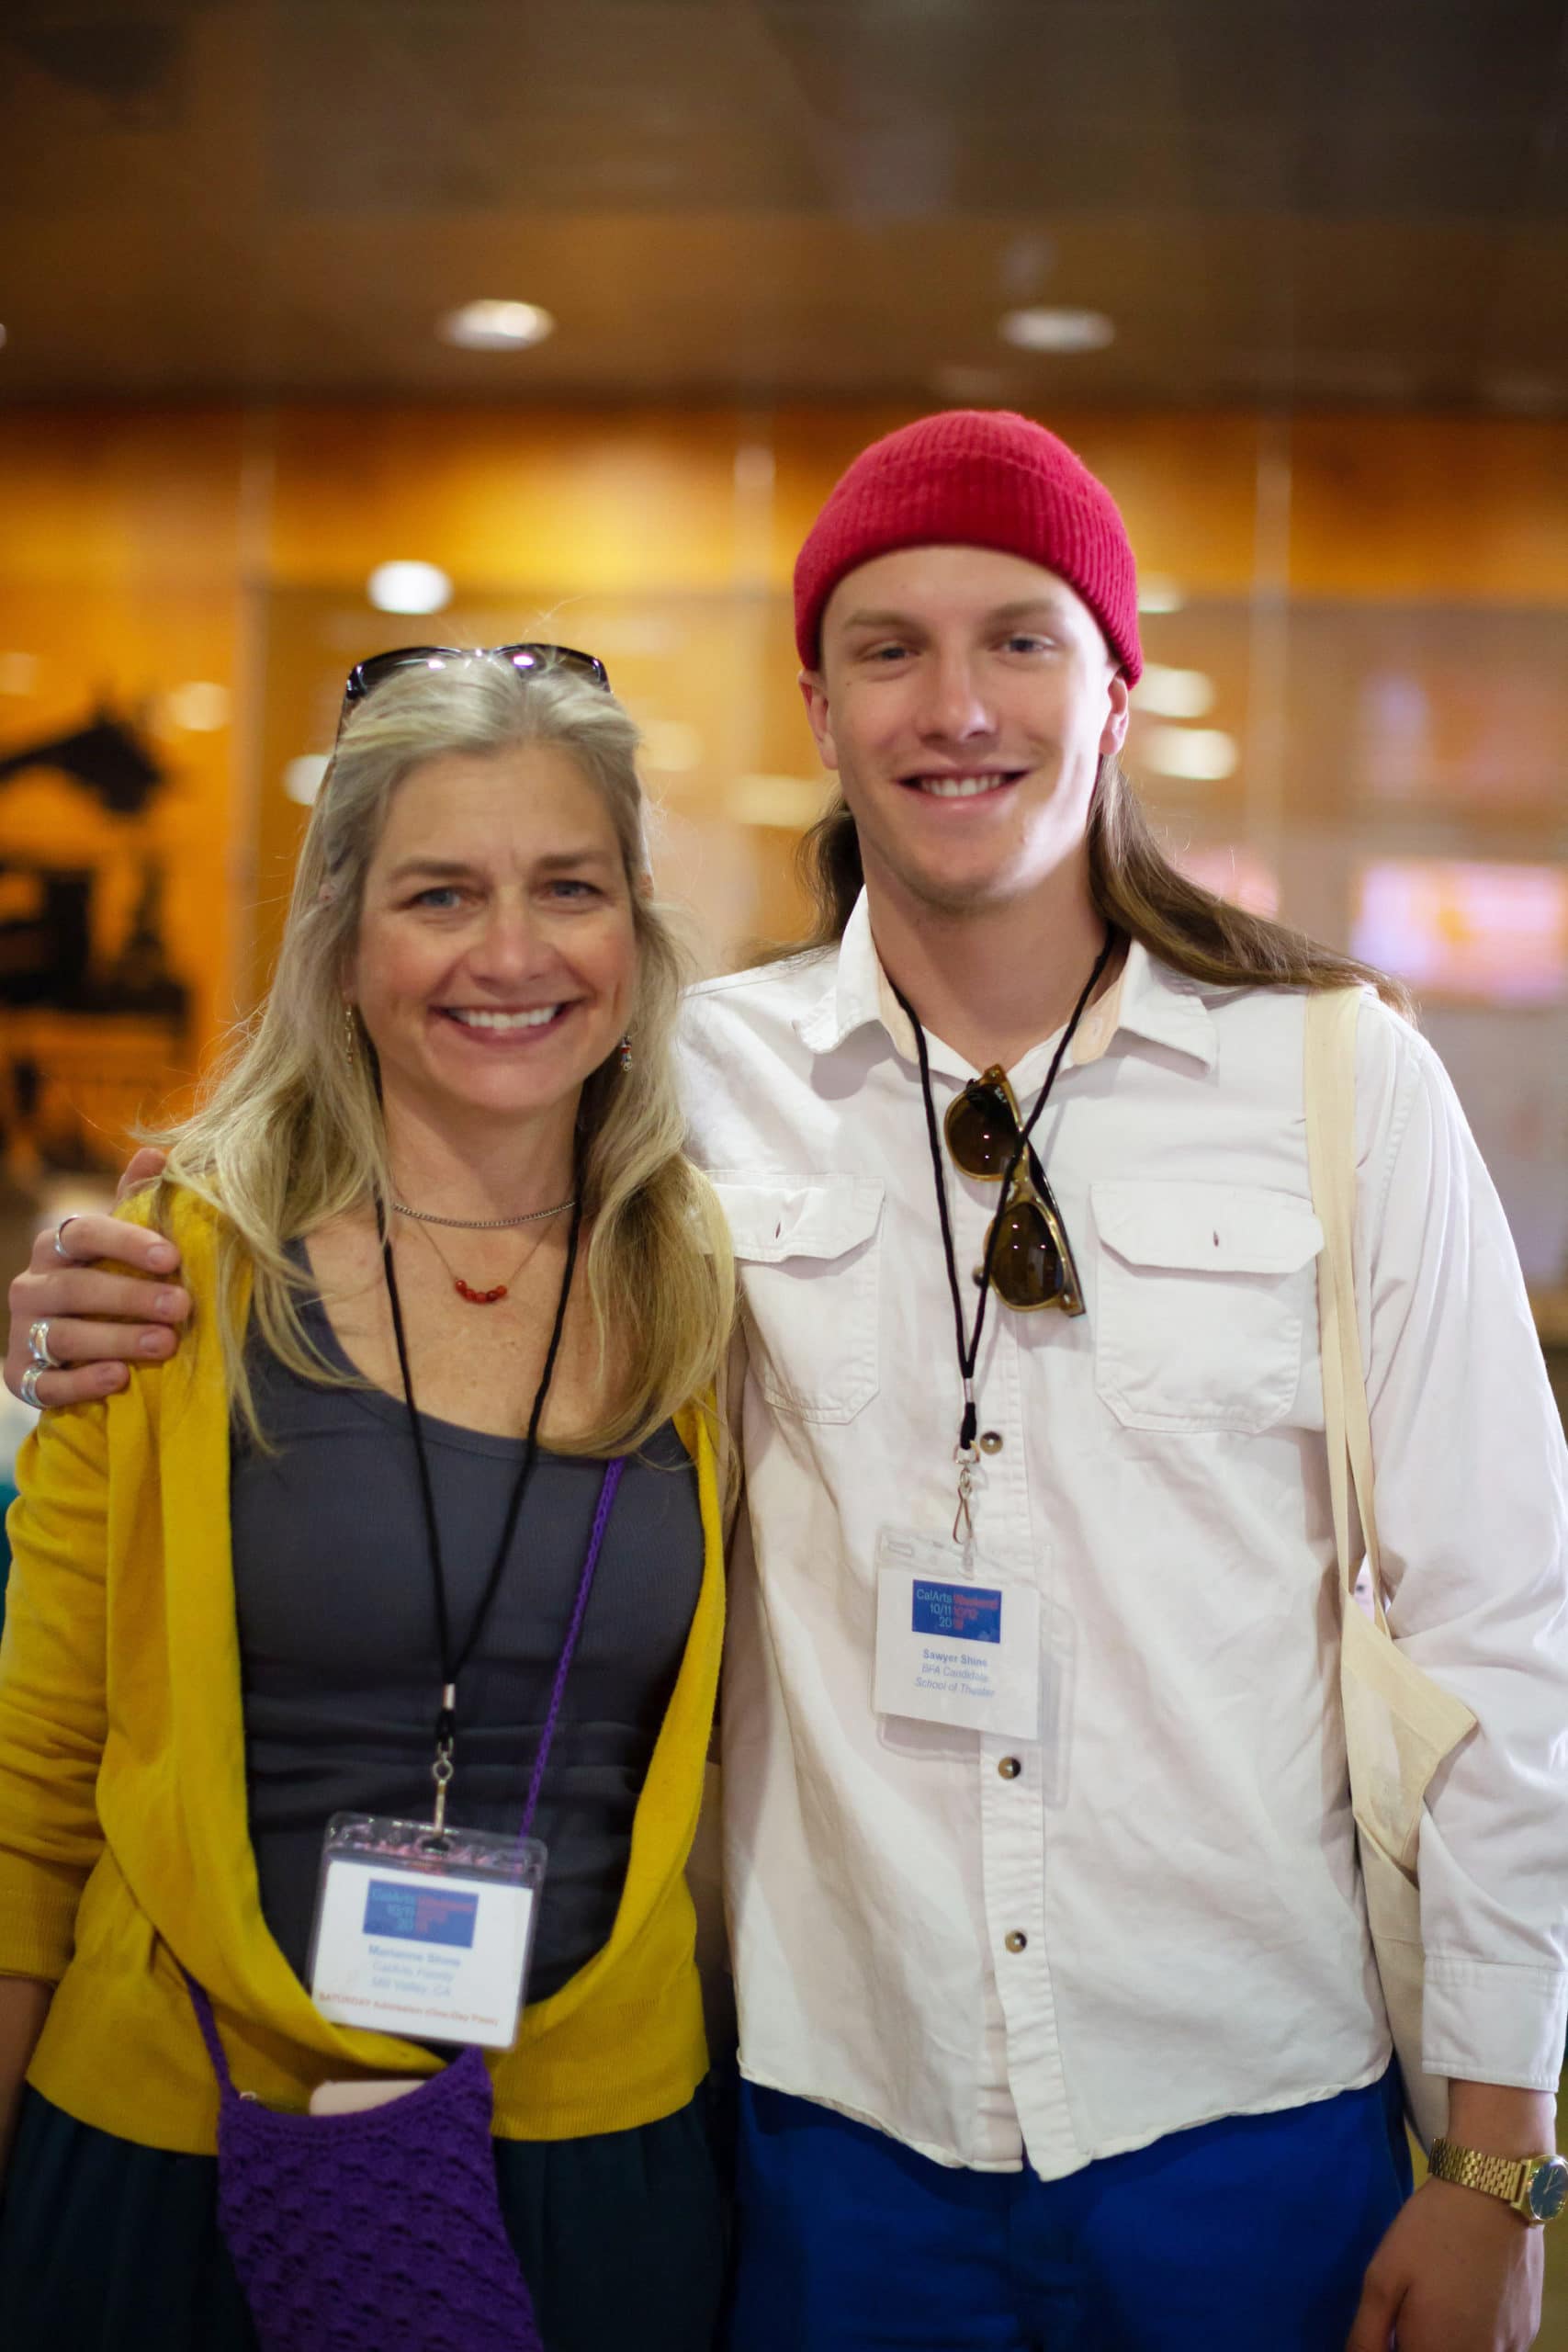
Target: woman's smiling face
[{"x": 496, "y": 959}]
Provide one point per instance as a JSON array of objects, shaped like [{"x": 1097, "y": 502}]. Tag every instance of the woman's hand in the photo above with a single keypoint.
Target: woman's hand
[{"x": 99, "y": 1323}]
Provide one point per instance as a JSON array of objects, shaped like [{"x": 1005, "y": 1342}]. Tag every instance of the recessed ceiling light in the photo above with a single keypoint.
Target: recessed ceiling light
[
  {"x": 1174, "y": 694},
  {"x": 409, "y": 588},
  {"x": 1158, "y": 594},
  {"x": 1200, "y": 754},
  {"x": 497, "y": 326},
  {"x": 1041, "y": 328}
]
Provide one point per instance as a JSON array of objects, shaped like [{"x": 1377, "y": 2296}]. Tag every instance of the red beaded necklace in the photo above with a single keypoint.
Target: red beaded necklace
[{"x": 498, "y": 1291}]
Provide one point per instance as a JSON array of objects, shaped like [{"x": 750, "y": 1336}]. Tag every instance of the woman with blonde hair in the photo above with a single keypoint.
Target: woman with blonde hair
[{"x": 407, "y": 1568}]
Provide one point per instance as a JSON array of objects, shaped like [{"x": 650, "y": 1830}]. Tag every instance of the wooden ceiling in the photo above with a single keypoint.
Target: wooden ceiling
[{"x": 1274, "y": 200}]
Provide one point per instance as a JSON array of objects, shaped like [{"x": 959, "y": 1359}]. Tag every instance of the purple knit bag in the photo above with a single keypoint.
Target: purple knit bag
[{"x": 382, "y": 2230}]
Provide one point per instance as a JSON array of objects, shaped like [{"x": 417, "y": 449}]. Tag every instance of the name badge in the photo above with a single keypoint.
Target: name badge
[
  {"x": 954, "y": 1649},
  {"x": 424, "y": 1933}
]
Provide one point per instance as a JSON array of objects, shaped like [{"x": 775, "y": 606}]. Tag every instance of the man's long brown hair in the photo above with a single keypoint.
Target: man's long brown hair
[{"x": 1135, "y": 887}]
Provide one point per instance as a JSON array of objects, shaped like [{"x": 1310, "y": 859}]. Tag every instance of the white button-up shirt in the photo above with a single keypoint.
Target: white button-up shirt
[{"x": 1157, "y": 1916}]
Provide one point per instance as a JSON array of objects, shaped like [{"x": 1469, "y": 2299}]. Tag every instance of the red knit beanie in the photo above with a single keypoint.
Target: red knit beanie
[{"x": 976, "y": 477}]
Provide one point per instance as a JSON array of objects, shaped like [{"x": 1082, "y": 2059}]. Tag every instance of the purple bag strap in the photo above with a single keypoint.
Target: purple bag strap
[
  {"x": 612, "y": 1479},
  {"x": 204, "y": 2018},
  {"x": 584, "y": 1586}
]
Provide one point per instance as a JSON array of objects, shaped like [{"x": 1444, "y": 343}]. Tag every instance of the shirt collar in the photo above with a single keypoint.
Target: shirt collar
[
  {"x": 854, "y": 990},
  {"x": 1148, "y": 1000}
]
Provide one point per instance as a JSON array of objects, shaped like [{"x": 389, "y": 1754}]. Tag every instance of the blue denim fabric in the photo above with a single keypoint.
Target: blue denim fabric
[{"x": 1248, "y": 2235}]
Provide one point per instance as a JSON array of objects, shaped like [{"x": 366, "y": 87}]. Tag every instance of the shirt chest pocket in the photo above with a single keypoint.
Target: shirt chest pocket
[
  {"x": 807, "y": 1251},
  {"x": 1204, "y": 1295}
]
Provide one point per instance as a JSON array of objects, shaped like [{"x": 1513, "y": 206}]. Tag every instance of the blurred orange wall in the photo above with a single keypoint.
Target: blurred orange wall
[{"x": 141, "y": 553}]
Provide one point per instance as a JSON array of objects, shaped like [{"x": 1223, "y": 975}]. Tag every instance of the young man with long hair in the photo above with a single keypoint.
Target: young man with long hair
[{"x": 1059, "y": 2021}]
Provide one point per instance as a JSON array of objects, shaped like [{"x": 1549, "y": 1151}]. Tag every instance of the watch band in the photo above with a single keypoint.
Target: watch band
[
  {"x": 1513, "y": 2178},
  {"x": 1494, "y": 2176}
]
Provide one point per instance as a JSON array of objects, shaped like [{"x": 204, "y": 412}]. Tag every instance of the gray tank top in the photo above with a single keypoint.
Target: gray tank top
[{"x": 338, "y": 1652}]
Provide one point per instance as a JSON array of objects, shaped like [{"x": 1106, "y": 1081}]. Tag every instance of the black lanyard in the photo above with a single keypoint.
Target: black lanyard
[
  {"x": 452, "y": 1661},
  {"x": 969, "y": 1349}
]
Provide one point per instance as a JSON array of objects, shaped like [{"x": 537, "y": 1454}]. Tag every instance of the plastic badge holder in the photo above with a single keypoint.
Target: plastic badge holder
[{"x": 425, "y": 1933}]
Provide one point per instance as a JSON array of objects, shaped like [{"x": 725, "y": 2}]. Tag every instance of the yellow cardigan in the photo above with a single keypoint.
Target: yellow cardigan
[{"x": 123, "y": 1834}]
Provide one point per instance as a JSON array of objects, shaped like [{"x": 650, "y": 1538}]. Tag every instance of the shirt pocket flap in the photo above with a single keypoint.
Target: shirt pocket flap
[
  {"x": 1228, "y": 1229},
  {"x": 775, "y": 1217}
]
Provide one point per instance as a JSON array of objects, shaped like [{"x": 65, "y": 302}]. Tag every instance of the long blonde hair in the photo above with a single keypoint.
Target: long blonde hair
[
  {"x": 289, "y": 1133},
  {"x": 1135, "y": 887}
]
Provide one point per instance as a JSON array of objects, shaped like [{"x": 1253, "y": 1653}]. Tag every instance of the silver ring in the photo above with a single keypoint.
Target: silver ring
[
  {"x": 38, "y": 1350},
  {"x": 59, "y": 1249},
  {"x": 27, "y": 1388}
]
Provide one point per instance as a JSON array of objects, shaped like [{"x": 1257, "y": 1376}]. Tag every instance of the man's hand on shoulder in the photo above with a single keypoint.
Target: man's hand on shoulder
[
  {"x": 98, "y": 1322},
  {"x": 1456, "y": 2272}
]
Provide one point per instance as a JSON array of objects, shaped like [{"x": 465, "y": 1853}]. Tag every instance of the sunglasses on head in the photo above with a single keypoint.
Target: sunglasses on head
[
  {"x": 1032, "y": 1265},
  {"x": 365, "y": 676}
]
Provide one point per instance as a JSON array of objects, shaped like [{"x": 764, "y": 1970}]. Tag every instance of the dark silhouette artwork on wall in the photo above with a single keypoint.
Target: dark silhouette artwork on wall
[
  {"x": 94, "y": 1017},
  {"x": 106, "y": 755}
]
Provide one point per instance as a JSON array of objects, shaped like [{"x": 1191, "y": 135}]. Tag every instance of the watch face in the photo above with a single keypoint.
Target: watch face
[{"x": 1549, "y": 2190}]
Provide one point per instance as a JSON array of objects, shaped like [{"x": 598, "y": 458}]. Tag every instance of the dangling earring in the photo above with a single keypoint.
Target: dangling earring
[
  {"x": 625, "y": 1053},
  {"x": 350, "y": 1036}
]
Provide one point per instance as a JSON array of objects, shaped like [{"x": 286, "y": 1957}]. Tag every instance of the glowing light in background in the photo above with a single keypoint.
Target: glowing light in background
[
  {"x": 1044, "y": 328},
  {"x": 1174, "y": 694},
  {"x": 196, "y": 708},
  {"x": 1160, "y": 593},
  {"x": 406, "y": 587},
  {"x": 1197, "y": 754},
  {"x": 497, "y": 326},
  {"x": 302, "y": 777},
  {"x": 1497, "y": 934}
]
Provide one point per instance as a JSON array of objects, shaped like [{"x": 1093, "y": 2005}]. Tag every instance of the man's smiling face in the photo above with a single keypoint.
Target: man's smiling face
[{"x": 965, "y": 698}]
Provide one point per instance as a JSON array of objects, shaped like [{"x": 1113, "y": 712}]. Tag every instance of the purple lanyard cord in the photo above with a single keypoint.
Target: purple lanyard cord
[{"x": 612, "y": 1480}]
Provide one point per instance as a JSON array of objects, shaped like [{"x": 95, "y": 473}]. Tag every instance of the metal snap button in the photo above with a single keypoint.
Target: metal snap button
[
  {"x": 1010, "y": 1768},
  {"x": 990, "y": 1440},
  {"x": 1015, "y": 1940}
]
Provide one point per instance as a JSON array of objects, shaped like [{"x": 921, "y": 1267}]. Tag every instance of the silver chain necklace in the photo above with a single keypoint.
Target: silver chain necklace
[{"x": 482, "y": 1224}]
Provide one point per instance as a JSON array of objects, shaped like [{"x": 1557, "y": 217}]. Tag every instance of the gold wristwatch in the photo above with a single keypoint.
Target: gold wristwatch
[{"x": 1535, "y": 2187}]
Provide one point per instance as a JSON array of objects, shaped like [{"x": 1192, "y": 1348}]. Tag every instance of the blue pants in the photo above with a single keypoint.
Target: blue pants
[{"x": 1249, "y": 2234}]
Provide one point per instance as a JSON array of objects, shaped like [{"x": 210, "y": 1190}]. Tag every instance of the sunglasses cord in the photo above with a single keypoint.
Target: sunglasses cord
[{"x": 969, "y": 1348}]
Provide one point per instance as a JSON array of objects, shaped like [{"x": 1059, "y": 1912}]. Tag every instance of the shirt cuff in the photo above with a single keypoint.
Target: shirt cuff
[{"x": 1489, "y": 2021}]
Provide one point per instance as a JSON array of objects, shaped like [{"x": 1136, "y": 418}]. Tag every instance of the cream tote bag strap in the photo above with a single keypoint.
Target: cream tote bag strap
[{"x": 1399, "y": 1723}]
